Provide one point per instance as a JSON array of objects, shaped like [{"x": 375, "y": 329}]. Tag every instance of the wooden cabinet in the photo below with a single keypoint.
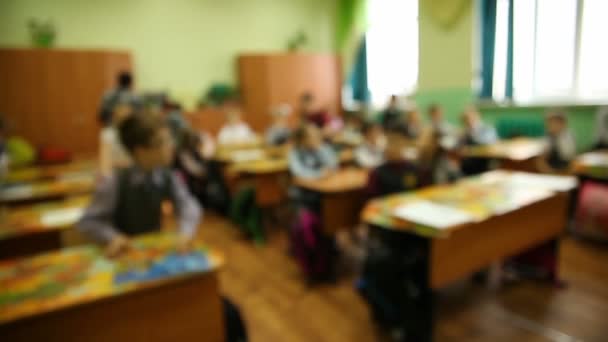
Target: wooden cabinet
[
  {"x": 272, "y": 79},
  {"x": 51, "y": 97}
]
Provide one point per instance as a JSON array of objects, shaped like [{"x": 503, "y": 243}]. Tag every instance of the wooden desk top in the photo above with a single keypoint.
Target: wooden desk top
[
  {"x": 491, "y": 194},
  {"x": 78, "y": 184},
  {"x": 264, "y": 166},
  {"x": 518, "y": 149},
  {"x": 51, "y": 172},
  {"x": 275, "y": 161},
  {"x": 342, "y": 180},
  {"x": 30, "y": 219},
  {"x": 75, "y": 276},
  {"x": 594, "y": 164}
]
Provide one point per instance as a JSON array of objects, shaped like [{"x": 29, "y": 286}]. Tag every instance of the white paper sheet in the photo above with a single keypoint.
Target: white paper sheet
[
  {"x": 247, "y": 155},
  {"x": 15, "y": 192},
  {"x": 61, "y": 217},
  {"x": 432, "y": 214},
  {"x": 540, "y": 181}
]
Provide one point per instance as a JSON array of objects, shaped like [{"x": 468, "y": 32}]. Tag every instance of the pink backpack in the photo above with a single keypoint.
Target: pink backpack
[
  {"x": 314, "y": 251},
  {"x": 591, "y": 219}
]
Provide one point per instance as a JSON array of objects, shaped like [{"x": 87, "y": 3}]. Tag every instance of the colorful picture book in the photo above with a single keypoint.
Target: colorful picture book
[{"x": 60, "y": 279}]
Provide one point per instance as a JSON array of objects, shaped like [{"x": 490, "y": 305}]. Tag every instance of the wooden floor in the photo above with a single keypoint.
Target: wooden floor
[{"x": 277, "y": 305}]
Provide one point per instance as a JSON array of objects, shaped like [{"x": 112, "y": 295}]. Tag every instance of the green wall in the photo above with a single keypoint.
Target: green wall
[
  {"x": 447, "y": 72},
  {"x": 178, "y": 45}
]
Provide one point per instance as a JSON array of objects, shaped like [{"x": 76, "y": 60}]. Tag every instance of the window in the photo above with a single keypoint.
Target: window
[
  {"x": 558, "y": 50},
  {"x": 392, "y": 48}
]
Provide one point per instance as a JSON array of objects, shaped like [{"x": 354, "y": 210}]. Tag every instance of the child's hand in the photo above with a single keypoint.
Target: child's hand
[
  {"x": 117, "y": 246},
  {"x": 185, "y": 245}
]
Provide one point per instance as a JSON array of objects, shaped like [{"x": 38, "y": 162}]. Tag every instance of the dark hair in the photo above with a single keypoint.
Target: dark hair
[
  {"x": 139, "y": 128},
  {"x": 369, "y": 126},
  {"x": 434, "y": 107},
  {"x": 307, "y": 96},
  {"x": 557, "y": 114},
  {"x": 125, "y": 79}
]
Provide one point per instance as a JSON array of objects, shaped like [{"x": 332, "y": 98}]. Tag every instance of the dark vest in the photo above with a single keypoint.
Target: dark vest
[
  {"x": 138, "y": 207},
  {"x": 396, "y": 177},
  {"x": 554, "y": 159}
]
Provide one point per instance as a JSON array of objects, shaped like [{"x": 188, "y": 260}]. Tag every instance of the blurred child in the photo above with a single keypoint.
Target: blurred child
[
  {"x": 235, "y": 131},
  {"x": 310, "y": 157},
  {"x": 601, "y": 140},
  {"x": 309, "y": 114},
  {"x": 353, "y": 127},
  {"x": 438, "y": 124},
  {"x": 370, "y": 154},
  {"x": 397, "y": 174},
  {"x": 476, "y": 133},
  {"x": 560, "y": 148},
  {"x": 279, "y": 133},
  {"x": 122, "y": 94},
  {"x": 129, "y": 202},
  {"x": 413, "y": 126},
  {"x": 112, "y": 154},
  {"x": 391, "y": 117}
]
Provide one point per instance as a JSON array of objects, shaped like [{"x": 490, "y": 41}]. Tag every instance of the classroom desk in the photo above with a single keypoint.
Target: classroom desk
[
  {"x": 592, "y": 165},
  {"x": 38, "y": 228},
  {"x": 46, "y": 190},
  {"x": 50, "y": 172},
  {"x": 510, "y": 217},
  {"x": 341, "y": 197},
  {"x": 270, "y": 178},
  {"x": 150, "y": 294},
  {"x": 271, "y": 175},
  {"x": 514, "y": 154}
]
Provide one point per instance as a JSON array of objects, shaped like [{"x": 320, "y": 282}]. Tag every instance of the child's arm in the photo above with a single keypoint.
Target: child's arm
[
  {"x": 187, "y": 211},
  {"x": 105, "y": 156},
  {"x": 96, "y": 222}
]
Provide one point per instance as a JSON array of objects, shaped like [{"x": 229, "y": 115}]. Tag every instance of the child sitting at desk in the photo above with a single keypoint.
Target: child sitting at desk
[
  {"x": 310, "y": 157},
  {"x": 560, "y": 146},
  {"x": 413, "y": 127},
  {"x": 438, "y": 124},
  {"x": 601, "y": 139},
  {"x": 476, "y": 133},
  {"x": 397, "y": 174},
  {"x": 370, "y": 154},
  {"x": 279, "y": 133},
  {"x": 235, "y": 131},
  {"x": 129, "y": 202}
]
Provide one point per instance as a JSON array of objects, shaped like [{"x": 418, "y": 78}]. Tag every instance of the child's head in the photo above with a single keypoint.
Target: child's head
[
  {"x": 148, "y": 140},
  {"x": 234, "y": 117},
  {"x": 435, "y": 113},
  {"x": 393, "y": 101},
  {"x": 413, "y": 117},
  {"x": 281, "y": 113},
  {"x": 372, "y": 132},
  {"x": 124, "y": 80},
  {"x": 471, "y": 118},
  {"x": 555, "y": 122},
  {"x": 308, "y": 136},
  {"x": 306, "y": 102}
]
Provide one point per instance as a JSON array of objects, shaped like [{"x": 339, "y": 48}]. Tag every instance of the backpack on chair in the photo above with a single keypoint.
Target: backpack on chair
[
  {"x": 314, "y": 251},
  {"x": 591, "y": 218}
]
